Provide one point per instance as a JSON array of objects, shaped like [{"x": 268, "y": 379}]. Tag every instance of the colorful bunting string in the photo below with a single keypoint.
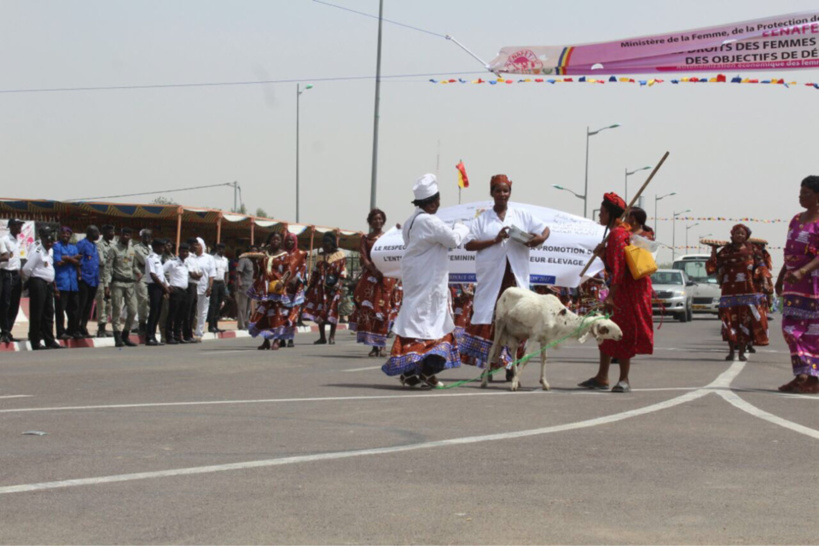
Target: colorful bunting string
[
  {"x": 719, "y": 78},
  {"x": 721, "y": 219}
]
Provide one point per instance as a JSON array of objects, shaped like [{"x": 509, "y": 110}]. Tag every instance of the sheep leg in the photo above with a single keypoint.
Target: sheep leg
[
  {"x": 517, "y": 368},
  {"x": 497, "y": 345},
  {"x": 543, "y": 381}
]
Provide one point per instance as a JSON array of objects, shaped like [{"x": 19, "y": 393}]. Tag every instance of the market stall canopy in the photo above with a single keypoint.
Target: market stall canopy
[
  {"x": 783, "y": 42},
  {"x": 171, "y": 221}
]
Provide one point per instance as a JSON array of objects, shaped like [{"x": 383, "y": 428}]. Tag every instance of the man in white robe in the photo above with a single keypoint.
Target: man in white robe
[{"x": 424, "y": 344}]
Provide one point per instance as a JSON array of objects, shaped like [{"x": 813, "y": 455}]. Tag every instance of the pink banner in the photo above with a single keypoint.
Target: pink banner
[{"x": 785, "y": 42}]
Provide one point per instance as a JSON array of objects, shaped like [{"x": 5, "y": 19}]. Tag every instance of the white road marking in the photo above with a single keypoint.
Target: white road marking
[
  {"x": 738, "y": 402},
  {"x": 723, "y": 380},
  {"x": 368, "y": 368},
  {"x": 16, "y": 396},
  {"x": 407, "y": 396}
]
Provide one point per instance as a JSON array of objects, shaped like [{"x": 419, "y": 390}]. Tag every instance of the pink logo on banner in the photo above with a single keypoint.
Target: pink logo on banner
[{"x": 524, "y": 60}]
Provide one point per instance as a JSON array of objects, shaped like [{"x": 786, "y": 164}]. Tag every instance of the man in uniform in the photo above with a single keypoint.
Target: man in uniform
[
  {"x": 142, "y": 249},
  {"x": 219, "y": 292},
  {"x": 10, "y": 284},
  {"x": 104, "y": 245},
  {"x": 122, "y": 276},
  {"x": 39, "y": 270}
]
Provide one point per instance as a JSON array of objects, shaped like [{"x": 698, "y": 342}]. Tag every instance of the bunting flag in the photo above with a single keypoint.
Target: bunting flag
[
  {"x": 719, "y": 78},
  {"x": 781, "y": 42},
  {"x": 721, "y": 219},
  {"x": 463, "y": 180}
]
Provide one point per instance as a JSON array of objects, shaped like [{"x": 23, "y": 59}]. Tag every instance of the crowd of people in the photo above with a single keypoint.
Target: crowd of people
[{"x": 179, "y": 292}]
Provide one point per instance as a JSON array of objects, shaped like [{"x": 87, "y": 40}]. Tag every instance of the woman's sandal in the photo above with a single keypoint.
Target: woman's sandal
[
  {"x": 275, "y": 345},
  {"x": 594, "y": 384},
  {"x": 729, "y": 358},
  {"x": 809, "y": 386},
  {"x": 264, "y": 346},
  {"x": 409, "y": 380},
  {"x": 290, "y": 343},
  {"x": 332, "y": 341},
  {"x": 373, "y": 353},
  {"x": 431, "y": 381},
  {"x": 621, "y": 386},
  {"x": 320, "y": 342}
]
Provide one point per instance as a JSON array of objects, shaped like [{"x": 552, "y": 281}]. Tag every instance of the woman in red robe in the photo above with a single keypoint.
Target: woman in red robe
[
  {"x": 628, "y": 300},
  {"x": 373, "y": 293}
]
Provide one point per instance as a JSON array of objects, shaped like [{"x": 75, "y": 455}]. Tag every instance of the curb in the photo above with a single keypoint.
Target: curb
[{"x": 98, "y": 343}]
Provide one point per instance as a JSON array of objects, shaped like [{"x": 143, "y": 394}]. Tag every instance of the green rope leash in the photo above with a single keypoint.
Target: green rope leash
[{"x": 593, "y": 317}]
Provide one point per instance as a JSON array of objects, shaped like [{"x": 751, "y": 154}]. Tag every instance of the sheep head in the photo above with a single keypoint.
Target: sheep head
[{"x": 602, "y": 329}]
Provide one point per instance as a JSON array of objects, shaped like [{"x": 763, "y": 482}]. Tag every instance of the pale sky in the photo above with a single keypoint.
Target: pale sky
[{"x": 736, "y": 150}]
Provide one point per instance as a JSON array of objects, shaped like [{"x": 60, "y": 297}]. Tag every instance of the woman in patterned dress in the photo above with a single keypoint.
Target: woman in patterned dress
[
  {"x": 628, "y": 299},
  {"x": 798, "y": 284},
  {"x": 277, "y": 292},
  {"x": 324, "y": 290},
  {"x": 373, "y": 293},
  {"x": 299, "y": 257},
  {"x": 740, "y": 269}
]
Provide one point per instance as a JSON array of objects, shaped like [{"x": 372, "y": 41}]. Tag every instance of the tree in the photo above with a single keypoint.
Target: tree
[
  {"x": 162, "y": 200},
  {"x": 260, "y": 212},
  {"x": 242, "y": 209}
]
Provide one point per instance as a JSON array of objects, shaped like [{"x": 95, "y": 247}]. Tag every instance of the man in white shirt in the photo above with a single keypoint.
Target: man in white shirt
[
  {"x": 204, "y": 288},
  {"x": 178, "y": 275},
  {"x": 11, "y": 285},
  {"x": 189, "y": 316},
  {"x": 39, "y": 270},
  {"x": 219, "y": 288},
  {"x": 157, "y": 290}
]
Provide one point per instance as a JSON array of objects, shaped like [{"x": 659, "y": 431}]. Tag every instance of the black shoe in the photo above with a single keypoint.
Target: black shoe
[
  {"x": 64, "y": 336},
  {"x": 186, "y": 340},
  {"x": 152, "y": 343},
  {"x": 126, "y": 339},
  {"x": 38, "y": 347},
  {"x": 55, "y": 345},
  {"x": 290, "y": 343},
  {"x": 171, "y": 341},
  {"x": 4, "y": 338},
  {"x": 77, "y": 335},
  {"x": 11, "y": 338},
  {"x": 117, "y": 339}
]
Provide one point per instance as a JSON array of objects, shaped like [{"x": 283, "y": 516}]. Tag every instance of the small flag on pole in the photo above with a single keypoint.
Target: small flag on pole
[{"x": 463, "y": 180}]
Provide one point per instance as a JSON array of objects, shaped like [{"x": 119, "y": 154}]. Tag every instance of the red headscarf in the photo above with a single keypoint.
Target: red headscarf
[
  {"x": 743, "y": 226},
  {"x": 295, "y": 240},
  {"x": 499, "y": 179},
  {"x": 615, "y": 200}
]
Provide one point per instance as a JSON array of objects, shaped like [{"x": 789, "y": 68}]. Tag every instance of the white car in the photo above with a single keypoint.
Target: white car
[
  {"x": 672, "y": 294},
  {"x": 707, "y": 292}
]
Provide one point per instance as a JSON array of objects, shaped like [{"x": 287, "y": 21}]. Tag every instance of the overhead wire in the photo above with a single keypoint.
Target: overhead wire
[{"x": 150, "y": 192}]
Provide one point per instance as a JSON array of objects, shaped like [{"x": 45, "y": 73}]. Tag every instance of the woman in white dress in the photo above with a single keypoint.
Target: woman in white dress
[
  {"x": 424, "y": 341},
  {"x": 500, "y": 263}
]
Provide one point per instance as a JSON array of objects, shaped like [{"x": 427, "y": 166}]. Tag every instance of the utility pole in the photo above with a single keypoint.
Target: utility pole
[{"x": 373, "y": 183}]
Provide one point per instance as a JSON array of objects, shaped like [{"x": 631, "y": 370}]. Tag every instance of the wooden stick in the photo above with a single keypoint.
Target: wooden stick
[{"x": 628, "y": 208}]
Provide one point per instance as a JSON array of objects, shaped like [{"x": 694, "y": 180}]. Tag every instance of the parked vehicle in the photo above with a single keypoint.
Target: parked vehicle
[
  {"x": 673, "y": 294},
  {"x": 707, "y": 292}
]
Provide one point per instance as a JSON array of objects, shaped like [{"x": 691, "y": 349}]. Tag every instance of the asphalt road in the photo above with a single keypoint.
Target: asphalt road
[{"x": 223, "y": 444}]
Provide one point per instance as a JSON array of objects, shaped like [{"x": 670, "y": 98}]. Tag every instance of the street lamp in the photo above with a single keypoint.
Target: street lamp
[
  {"x": 656, "y": 221},
  {"x": 299, "y": 91},
  {"x": 686, "y": 234},
  {"x": 629, "y": 173},
  {"x": 586, "y": 185},
  {"x": 674, "y": 232},
  {"x": 583, "y": 197}
]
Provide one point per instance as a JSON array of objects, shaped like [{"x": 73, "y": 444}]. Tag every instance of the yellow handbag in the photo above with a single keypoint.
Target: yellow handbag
[{"x": 640, "y": 262}]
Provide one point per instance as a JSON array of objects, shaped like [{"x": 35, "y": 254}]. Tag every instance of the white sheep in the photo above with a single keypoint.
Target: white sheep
[{"x": 522, "y": 314}]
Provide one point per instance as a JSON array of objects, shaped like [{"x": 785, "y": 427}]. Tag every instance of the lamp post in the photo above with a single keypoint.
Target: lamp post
[
  {"x": 629, "y": 173},
  {"x": 686, "y": 234},
  {"x": 586, "y": 184},
  {"x": 583, "y": 197},
  {"x": 674, "y": 233},
  {"x": 656, "y": 221},
  {"x": 299, "y": 91}
]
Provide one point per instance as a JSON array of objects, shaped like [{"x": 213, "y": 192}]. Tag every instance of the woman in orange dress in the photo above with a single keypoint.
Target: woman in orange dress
[
  {"x": 324, "y": 289},
  {"x": 299, "y": 258},
  {"x": 373, "y": 293},
  {"x": 278, "y": 293}
]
